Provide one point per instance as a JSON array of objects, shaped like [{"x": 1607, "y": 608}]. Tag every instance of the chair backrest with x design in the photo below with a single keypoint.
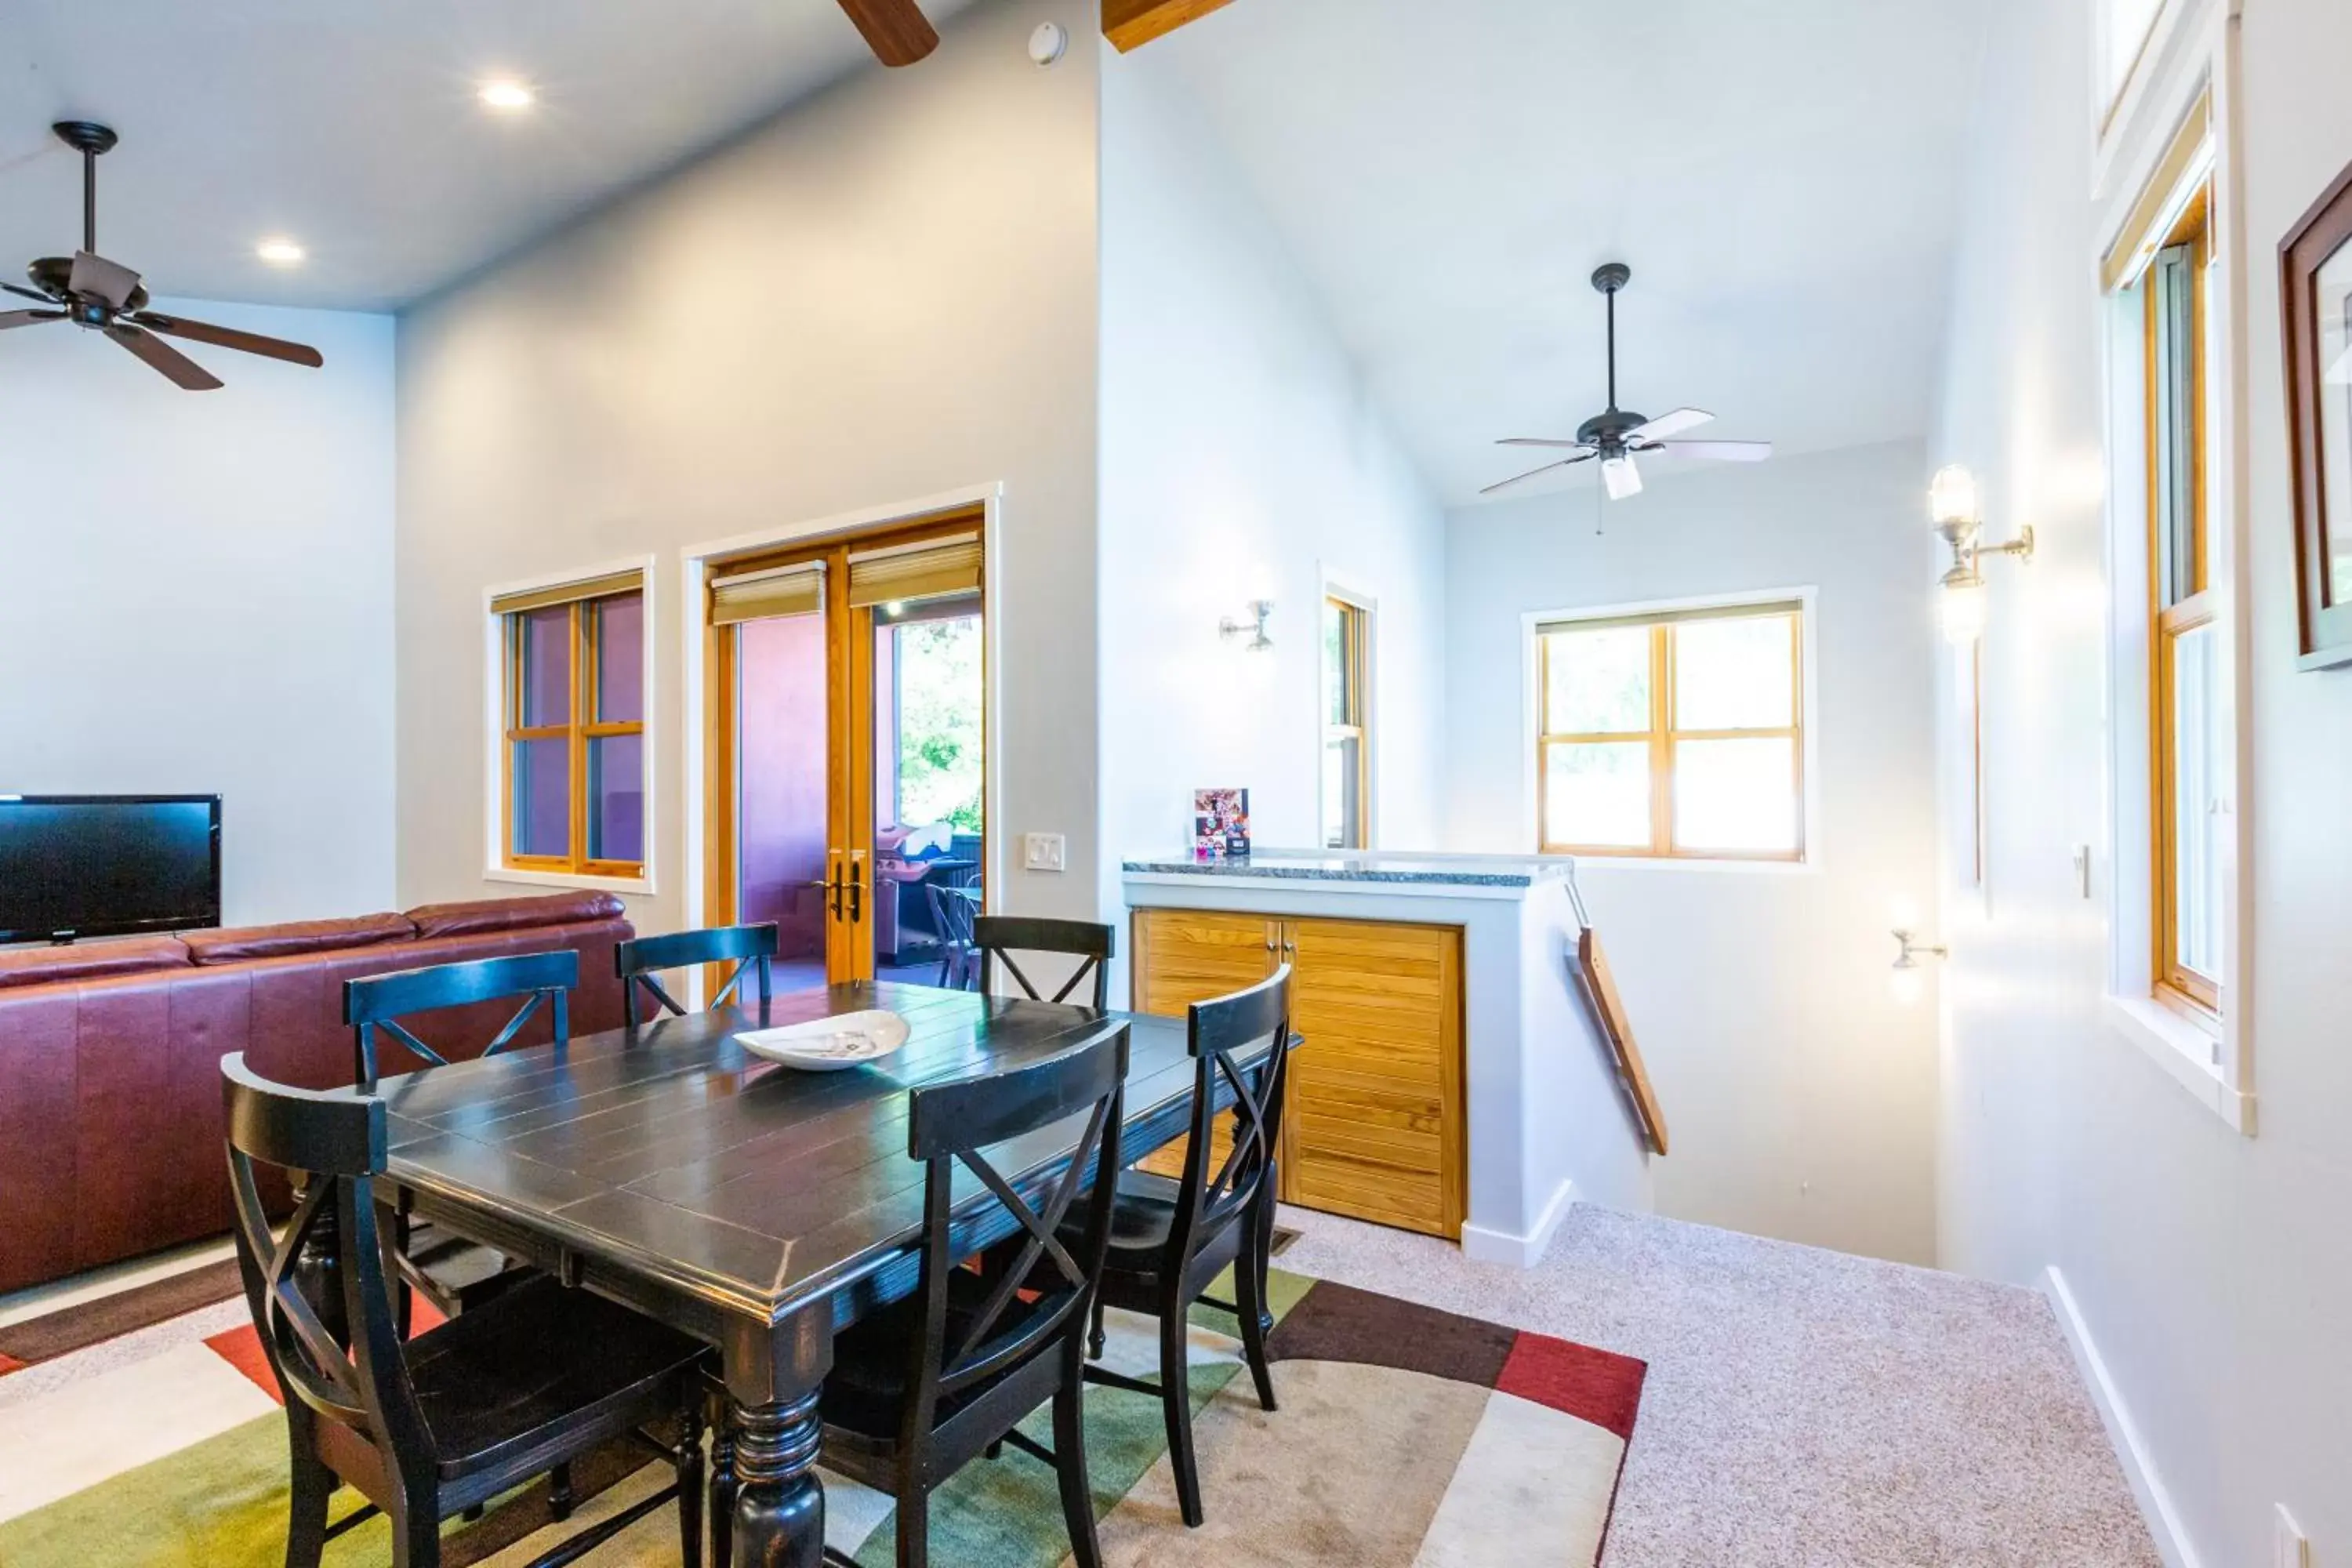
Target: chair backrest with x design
[
  {"x": 380, "y": 1002},
  {"x": 752, "y": 949},
  {"x": 998, "y": 937},
  {"x": 1051, "y": 1283},
  {"x": 1209, "y": 1200},
  {"x": 330, "y": 1332}
]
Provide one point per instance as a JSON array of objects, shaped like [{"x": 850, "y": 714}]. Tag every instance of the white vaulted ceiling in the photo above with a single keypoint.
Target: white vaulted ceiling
[
  {"x": 1782, "y": 178},
  {"x": 351, "y": 126}
]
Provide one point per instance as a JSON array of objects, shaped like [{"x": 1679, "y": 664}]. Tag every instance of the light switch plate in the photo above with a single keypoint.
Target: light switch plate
[
  {"x": 1044, "y": 852},
  {"x": 2294, "y": 1547}
]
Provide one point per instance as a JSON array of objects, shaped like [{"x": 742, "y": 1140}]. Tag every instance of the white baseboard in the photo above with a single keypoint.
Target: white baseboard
[
  {"x": 1482, "y": 1245},
  {"x": 2140, "y": 1467}
]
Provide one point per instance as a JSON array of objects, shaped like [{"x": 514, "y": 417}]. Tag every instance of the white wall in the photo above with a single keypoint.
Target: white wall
[
  {"x": 2210, "y": 1271},
  {"x": 195, "y": 595},
  {"x": 884, "y": 294},
  {"x": 1801, "y": 1097},
  {"x": 1241, "y": 458}
]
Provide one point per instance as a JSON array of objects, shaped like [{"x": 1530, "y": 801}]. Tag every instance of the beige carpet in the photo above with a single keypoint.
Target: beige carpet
[{"x": 1804, "y": 1409}]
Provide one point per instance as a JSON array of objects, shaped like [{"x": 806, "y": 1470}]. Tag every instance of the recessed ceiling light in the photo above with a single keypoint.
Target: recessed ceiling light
[
  {"x": 280, "y": 252},
  {"x": 506, "y": 95}
]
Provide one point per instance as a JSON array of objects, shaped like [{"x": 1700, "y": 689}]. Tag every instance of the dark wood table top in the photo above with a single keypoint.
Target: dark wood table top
[{"x": 671, "y": 1160}]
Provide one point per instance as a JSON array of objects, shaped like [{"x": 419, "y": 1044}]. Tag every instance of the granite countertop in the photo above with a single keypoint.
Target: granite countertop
[{"x": 1312, "y": 866}]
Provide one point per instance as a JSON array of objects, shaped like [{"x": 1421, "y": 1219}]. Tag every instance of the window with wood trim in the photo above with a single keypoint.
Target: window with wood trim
[
  {"x": 2186, "y": 663},
  {"x": 572, "y": 780},
  {"x": 1348, "y": 725},
  {"x": 1677, "y": 735}
]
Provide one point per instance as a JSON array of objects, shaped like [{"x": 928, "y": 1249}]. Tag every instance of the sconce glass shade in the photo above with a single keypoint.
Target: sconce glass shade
[
  {"x": 1908, "y": 982},
  {"x": 1952, "y": 497},
  {"x": 1961, "y": 608}
]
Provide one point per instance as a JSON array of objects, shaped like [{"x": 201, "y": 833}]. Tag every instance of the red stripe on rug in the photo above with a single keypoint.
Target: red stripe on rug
[
  {"x": 241, "y": 1347},
  {"x": 1598, "y": 1386},
  {"x": 9, "y": 1365}
]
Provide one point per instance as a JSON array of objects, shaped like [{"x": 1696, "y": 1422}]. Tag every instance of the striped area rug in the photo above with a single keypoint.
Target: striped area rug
[{"x": 1407, "y": 1438}]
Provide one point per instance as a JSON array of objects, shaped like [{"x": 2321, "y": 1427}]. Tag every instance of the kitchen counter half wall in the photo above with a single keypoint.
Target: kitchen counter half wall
[{"x": 1547, "y": 1122}]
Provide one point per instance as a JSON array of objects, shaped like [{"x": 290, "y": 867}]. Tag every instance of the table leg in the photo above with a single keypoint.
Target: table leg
[{"x": 772, "y": 1378}]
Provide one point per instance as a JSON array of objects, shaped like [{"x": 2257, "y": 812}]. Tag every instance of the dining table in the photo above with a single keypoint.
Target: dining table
[{"x": 757, "y": 1206}]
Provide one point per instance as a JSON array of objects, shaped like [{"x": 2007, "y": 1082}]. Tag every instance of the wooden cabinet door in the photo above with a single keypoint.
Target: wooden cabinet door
[
  {"x": 1374, "y": 1123},
  {"x": 1183, "y": 956}
]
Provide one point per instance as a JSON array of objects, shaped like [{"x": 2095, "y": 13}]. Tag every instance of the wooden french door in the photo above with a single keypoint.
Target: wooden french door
[{"x": 795, "y": 712}]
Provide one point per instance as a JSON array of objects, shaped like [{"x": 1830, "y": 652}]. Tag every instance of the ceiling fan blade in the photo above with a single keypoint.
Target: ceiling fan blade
[
  {"x": 1585, "y": 456},
  {"x": 1721, "y": 451},
  {"x": 895, "y": 30},
  {"x": 27, "y": 293},
  {"x": 1674, "y": 424},
  {"x": 1622, "y": 476},
  {"x": 184, "y": 372},
  {"x": 229, "y": 337},
  {"x": 1522, "y": 479},
  {"x": 102, "y": 279},
  {"x": 1536, "y": 441},
  {"x": 29, "y": 318}
]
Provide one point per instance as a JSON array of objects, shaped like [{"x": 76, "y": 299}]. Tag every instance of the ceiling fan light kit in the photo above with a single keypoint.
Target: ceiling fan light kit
[
  {"x": 106, "y": 297},
  {"x": 1616, "y": 437}
]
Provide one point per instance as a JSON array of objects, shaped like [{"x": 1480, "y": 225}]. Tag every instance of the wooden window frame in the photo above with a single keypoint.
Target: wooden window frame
[
  {"x": 581, "y": 727},
  {"x": 1664, "y": 736},
  {"x": 2173, "y": 981},
  {"x": 1355, "y": 666}
]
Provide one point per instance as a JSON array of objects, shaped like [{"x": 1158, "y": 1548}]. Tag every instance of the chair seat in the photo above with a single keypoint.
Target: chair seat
[
  {"x": 1142, "y": 1217},
  {"x": 539, "y": 1360},
  {"x": 866, "y": 1391}
]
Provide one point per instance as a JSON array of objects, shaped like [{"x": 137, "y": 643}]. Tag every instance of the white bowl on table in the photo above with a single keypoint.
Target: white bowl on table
[{"x": 829, "y": 1045}]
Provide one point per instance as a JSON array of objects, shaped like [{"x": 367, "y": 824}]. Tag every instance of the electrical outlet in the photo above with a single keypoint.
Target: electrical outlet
[
  {"x": 1044, "y": 852},
  {"x": 2293, "y": 1546}
]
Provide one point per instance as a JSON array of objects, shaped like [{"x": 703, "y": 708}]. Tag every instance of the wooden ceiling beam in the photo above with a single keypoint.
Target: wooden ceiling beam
[{"x": 1131, "y": 24}]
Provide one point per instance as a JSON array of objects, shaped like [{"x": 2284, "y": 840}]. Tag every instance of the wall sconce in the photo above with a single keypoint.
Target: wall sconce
[
  {"x": 1909, "y": 979},
  {"x": 1952, "y": 500},
  {"x": 1254, "y": 628}
]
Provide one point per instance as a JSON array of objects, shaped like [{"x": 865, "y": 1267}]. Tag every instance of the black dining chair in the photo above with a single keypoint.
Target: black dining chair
[
  {"x": 923, "y": 1387},
  {"x": 750, "y": 948},
  {"x": 952, "y": 912},
  {"x": 1170, "y": 1240},
  {"x": 999, "y": 937},
  {"x": 380, "y": 1002},
  {"x": 454, "y": 1274},
  {"x": 431, "y": 1427}
]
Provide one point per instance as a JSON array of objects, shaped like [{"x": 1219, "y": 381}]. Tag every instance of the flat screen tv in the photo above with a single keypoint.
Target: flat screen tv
[{"x": 107, "y": 865}]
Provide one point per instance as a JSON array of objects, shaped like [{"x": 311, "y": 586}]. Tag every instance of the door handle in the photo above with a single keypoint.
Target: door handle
[
  {"x": 856, "y": 879},
  {"x": 832, "y": 883}
]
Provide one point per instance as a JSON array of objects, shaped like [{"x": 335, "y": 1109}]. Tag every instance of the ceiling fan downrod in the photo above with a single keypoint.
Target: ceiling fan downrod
[
  {"x": 1609, "y": 277},
  {"x": 89, "y": 138}
]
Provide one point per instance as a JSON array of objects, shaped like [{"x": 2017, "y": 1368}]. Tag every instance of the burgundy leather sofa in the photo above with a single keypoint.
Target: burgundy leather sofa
[{"x": 110, "y": 1130}]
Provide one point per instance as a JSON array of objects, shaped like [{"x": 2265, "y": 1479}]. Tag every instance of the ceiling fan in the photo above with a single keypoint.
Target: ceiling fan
[
  {"x": 895, "y": 30},
  {"x": 103, "y": 296},
  {"x": 1617, "y": 437}
]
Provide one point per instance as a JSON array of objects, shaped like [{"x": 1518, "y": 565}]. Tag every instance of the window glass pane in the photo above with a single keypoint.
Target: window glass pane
[
  {"x": 939, "y": 704},
  {"x": 1336, "y": 661},
  {"x": 2127, "y": 25},
  {"x": 620, "y": 633},
  {"x": 2174, "y": 281},
  {"x": 542, "y": 797},
  {"x": 1598, "y": 794},
  {"x": 616, "y": 797},
  {"x": 2197, "y": 828},
  {"x": 1343, "y": 821},
  {"x": 1735, "y": 674},
  {"x": 1736, "y": 796},
  {"x": 1597, "y": 682},
  {"x": 546, "y": 695}
]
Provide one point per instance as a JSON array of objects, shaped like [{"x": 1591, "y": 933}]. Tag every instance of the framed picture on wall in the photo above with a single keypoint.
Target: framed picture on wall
[{"x": 2315, "y": 279}]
